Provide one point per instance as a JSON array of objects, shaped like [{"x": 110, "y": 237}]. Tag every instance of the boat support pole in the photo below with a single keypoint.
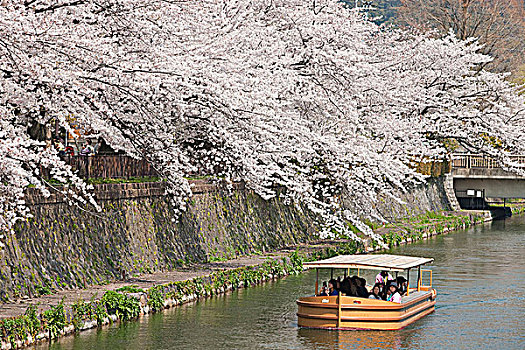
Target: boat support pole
[
  {"x": 408, "y": 282},
  {"x": 419, "y": 278},
  {"x": 316, "y": 281},
  {"x": 339, "y": 302}
]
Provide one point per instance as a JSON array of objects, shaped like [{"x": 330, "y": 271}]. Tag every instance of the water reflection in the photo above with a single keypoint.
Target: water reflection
[{"x": 322, "y": 339}]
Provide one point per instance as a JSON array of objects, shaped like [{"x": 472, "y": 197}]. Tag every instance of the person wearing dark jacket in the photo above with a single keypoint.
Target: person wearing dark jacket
[
  {"x": 360, "y": 283},
  {"x": 402, "y": 285},
  {"x": 332, "y": 291}
]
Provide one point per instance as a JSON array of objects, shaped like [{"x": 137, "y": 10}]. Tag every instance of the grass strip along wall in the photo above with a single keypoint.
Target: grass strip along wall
[{"x": 130, "y": 302}]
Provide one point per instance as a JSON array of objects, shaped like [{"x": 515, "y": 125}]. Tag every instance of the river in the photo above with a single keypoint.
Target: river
[{"x": 478, "y": 274}]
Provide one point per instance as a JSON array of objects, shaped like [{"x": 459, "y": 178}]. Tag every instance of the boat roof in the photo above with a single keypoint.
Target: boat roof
[{"x": 370, "y": 262}]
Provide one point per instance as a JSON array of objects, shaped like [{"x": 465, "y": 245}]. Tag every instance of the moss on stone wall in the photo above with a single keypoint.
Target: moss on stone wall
[{"x": 429, "y": 196}]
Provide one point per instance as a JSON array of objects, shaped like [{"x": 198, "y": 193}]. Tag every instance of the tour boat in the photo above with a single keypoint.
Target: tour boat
[{"x": 355, "y": 313}]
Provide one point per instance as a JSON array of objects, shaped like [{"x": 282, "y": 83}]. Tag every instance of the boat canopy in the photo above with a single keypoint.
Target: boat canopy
[{"x": 370, "y": 262}]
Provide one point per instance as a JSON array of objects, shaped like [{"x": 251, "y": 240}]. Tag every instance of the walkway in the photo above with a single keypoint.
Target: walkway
[{"x": 143, "y": 281}]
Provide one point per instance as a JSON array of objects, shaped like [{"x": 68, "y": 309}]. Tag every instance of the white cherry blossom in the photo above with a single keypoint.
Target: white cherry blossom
[{"x": 303, "y": 96}]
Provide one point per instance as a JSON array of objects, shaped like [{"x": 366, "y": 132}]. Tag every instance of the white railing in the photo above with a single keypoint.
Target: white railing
[{"x": 479, "y": 161}]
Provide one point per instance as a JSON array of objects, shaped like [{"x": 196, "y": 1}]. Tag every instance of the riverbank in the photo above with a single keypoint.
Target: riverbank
[
  {"x": 468, "y": 315},
  {"x": 71, "y": 311}
]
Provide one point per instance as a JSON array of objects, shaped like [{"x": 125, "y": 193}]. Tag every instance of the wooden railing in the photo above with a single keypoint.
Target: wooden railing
[
  {"x": 477, "y": 161},
  {"x": 110, "y": 166}
]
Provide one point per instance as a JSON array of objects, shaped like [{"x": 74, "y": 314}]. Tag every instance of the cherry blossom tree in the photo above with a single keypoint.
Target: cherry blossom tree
[{"x": 303, "y": 96}]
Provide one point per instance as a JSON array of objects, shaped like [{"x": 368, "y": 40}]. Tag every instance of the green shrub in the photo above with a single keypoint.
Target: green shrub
[
  {"x": 156, "y": 298},
  {"x": 296, "y": 261},
  {"x": 111, "y": 300},
  {"x": 100, "y": 311},
  {"x": 219, "y": 279},
  {"x": 128, "y": 309},
  {"x": 33, "y": 322},
  {"x": 123, "y": 306},
  {"x": 131, "y": 289},
  {"x": 19, "y": 328},
  {"x": 54, "y": 320},
  {"x": 81, "y": 312},
  {"x": 14, "y": 329}
]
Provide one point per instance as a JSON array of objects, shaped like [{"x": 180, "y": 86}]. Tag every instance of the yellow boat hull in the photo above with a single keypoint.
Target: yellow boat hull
[{"x": 343, "y": 312}]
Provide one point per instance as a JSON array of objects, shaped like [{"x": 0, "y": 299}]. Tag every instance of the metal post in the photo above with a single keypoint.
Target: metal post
[
  {"x": 316, "y": 281},
  {"x": 331, "y": 274},
  {"x": 419, "y": 278},
  {"x": 408, "y": 282}
]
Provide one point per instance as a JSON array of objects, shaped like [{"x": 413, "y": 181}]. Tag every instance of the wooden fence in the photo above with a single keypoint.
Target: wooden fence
[{"x": 110, "y": 166}]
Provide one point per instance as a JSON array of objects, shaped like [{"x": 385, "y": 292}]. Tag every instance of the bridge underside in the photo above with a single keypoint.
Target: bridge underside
[
  {"x": 492, "y": 188},
  {"x": 492, "y": 183},
  {"x": 478, "y": 177}
]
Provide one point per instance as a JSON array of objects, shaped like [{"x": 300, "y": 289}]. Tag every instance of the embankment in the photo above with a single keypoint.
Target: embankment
[
  {"x": 153, "y": 293},
  {"x": 136, "y": 232},
  {"x": 63, "y": 246}
]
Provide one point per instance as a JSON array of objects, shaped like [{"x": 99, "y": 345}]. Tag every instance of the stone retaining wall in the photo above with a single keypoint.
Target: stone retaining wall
[
  {"x": 136, "y": 232},
  {"x": 431, "y": 196},
  {"x": 63, "y": 246}
]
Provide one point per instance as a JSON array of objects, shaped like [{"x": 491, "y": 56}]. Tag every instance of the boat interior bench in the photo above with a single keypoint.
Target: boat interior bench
[{"x": 412, "y": 296}]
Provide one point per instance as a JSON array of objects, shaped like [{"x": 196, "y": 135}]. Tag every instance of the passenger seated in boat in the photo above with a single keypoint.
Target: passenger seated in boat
[
  {"x": 332, "y": 288},
  {"x": 394, "y": 296},
  {"x": 329, "y": 290},
  {"x": 360, "y": 287},
  {"x": 386, "y": 293},
  {"x": 403, "y": 285},
  {"x": 383, "y": 277},
  {"x": 348, "y": 287},
  {"x": 323, "y": 290},
  {"x": 376, "y": 291}
]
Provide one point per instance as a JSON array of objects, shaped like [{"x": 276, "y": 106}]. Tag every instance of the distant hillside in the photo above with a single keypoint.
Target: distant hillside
[
  {"x": 384, "y": 10},
  {"x": 498, "y": 24}
]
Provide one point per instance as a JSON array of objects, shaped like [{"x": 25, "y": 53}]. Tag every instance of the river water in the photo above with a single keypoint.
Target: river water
[{"x": 478, "y": 274}]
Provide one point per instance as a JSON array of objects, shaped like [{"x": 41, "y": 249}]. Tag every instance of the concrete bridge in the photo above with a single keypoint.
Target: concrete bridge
[{"x": 477, "y": 177}]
